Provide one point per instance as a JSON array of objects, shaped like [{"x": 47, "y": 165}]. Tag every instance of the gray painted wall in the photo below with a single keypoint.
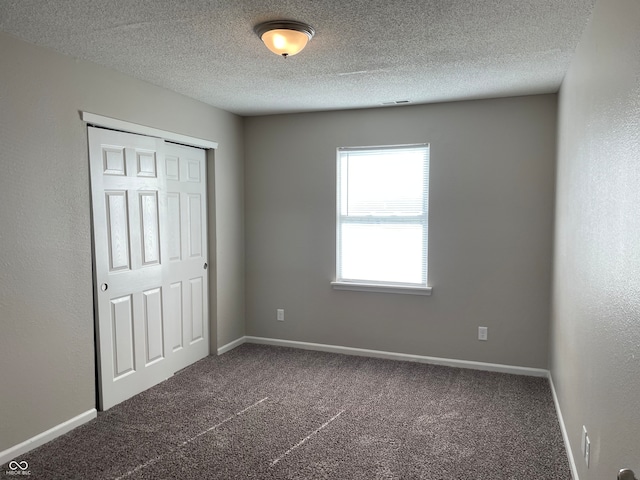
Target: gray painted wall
[
  {"x": 490, "y": 241},
  {"x": 595, "y": 334},
  {"x": 46, "y": 301}
]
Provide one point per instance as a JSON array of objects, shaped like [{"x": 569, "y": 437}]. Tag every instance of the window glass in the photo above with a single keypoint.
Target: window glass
[{"x": 382, "y": 218}]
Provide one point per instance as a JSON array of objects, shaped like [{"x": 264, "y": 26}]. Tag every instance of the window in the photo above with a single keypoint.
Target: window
[{"x": 382, "y": 218}]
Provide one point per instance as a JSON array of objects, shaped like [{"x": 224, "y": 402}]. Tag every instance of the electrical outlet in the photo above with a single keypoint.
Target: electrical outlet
[
  {"x": 280, "y": 314},
  {"x": 483, "y": 333}
]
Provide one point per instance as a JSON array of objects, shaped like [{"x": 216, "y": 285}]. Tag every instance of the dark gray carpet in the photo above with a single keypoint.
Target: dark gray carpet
[{"x": 262, "y": 412}]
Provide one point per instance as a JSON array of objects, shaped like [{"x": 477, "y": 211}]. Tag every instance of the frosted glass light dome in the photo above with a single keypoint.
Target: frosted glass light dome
[{"x": 284, "y": 37}]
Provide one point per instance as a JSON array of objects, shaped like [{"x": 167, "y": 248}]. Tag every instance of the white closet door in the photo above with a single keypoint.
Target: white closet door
[
  {"x": 186, "y": 297},
  {"x": 144, "y": 293}
]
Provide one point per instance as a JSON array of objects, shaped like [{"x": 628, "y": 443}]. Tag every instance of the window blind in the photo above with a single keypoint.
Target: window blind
[{"x": 382, "y": 217}]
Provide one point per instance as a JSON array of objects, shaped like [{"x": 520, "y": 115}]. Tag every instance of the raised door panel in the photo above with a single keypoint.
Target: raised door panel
[
  {"x": 146, "y": 163},
  {"x": 174, "y": 315},
  {"x": 153, "y": 322},
  {"x": 113, "y": 161},
  {"x": 174, "y": 227},
  {"x": 172, "y": 163},
  {"x": 194, "y": 170},
  {"x": 197, "y": 310},
  {"x": 149, "y": 228},
  {"x": 195, "y": 224},
  {"x": 123, "y": 337},
  {"x": 117, "y": 230}
]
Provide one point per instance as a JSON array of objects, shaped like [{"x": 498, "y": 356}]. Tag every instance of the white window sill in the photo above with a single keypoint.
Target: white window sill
[{"x": 369, "y": 287}]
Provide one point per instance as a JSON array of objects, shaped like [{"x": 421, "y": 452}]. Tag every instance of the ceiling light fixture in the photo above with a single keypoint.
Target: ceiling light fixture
[{"x": 284, "y": 37}]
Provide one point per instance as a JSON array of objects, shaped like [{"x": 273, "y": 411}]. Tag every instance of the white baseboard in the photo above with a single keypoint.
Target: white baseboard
[
  {"x": 407, "y": 357},
  {"x": 231, "y": 345},
  {"x": 563, "y": 428},
  {"x": 44, "y": 437}
]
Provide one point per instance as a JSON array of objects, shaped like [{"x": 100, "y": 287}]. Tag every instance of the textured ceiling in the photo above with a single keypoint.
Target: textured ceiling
[{"x": 365, "y": 52}]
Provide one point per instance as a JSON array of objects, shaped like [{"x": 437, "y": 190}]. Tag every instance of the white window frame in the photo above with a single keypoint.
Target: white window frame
[{"x": 423, "y": 219}]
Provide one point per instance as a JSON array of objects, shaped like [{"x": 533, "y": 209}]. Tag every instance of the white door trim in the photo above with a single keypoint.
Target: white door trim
[{"x": 125, "y": 126}]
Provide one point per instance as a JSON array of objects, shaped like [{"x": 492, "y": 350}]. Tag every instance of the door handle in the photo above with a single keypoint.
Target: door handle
[
  {"x": 104, "y": 287},
  {"x": 626, "y": 474},
  {"x": 205, "y": 266}
]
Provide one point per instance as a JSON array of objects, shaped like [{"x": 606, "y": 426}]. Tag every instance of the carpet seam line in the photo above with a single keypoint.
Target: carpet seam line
[
  {"x": 301, "y": 442},
  {"x": 180, "y": 445}
]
